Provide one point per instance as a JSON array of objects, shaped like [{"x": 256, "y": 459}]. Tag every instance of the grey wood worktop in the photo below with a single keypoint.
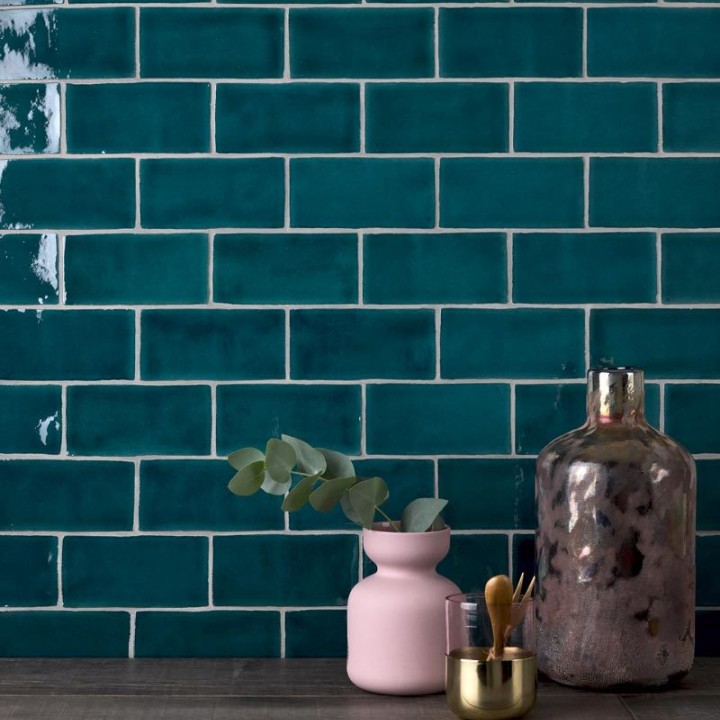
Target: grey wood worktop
[{"x": 311, "y": 689}]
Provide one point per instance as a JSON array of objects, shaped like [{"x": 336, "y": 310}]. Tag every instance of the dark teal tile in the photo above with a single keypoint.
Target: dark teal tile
[
  {"x": 584, "y": 268},
  {"x": 690, "y": 113},
  {"x": 355, "y": 344},
  {"x": 45, "y": 345},
  {"x": 361, "y": 43},
  {"x": 75, "y": 193},
  {"x": 708, "y": 582},
  {"x": 138, "y": 117},
  {"x": 66, "y": 495},
  {"x": 510, "y": 42},
  {"x": 123, "y": 269},
  {"x": 328, "y": 271},
  {"x": 138, "y": 420},
  {"x": 29, "y": 269},
  {"x": 707, "y": 633},
  {"x": 442, "y": 268},
  {"x": 438, "y": 419},
  {"x": 488, "y": 494},
  {"x": 31, "y": 118},
  {"x": 692, "y": 416},
  {"x": 211, "y": 42},
  {"x": 586, "y": 117},
  {"x": 650, "y": 42},
  {"x": 474, "y": 559},
  {"x": 193, "y": 495},
  {"x": 28, "y": 571},
  {"x": 708, "y": 494},
  {"x": 514, "y": 192},
  {"x": 342, "y": 192},
  {"x": 665, "y": 343},
  {"x": 294, "y": 579},
  {"x": 152, "y": 571},
  {"x": 47, "y": 633},
  {"x": 30, "y": 419},
  {"x": 212, "y": 634},
  {"x": 691, "y": 268},
  {"x": 213, "y": 344},
  {"x": 470, "y": 347},
  {"x": 523, "y": 553},
  {"x": 406, "y": 480},
  {"x": 436, "y": 117},
  {"x": 316, "y": 633},
  {"x": 323, "y": 415},
  {"x": 94, "y": 43},
  {"x": 650, "y": 192},
  {"x": 233, "y": 193},
  {"x": 288, "y": 117}
]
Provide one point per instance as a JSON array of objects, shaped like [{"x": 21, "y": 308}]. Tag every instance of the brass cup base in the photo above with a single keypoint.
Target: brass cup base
[{"x": 482, "y": 689}]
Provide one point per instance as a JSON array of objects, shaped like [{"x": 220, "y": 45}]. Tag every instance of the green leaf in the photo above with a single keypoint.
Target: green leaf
[
  {"x": 280, "y": 459},
  {"x": 327, "y": 496},
  {"x": 309, "y": 460},
  {"x": 271, "y": 487},
  {"x": 242, "y": 458},
  {"x": 349, "y": 510},
  {"x": 298, "y": 496},
  {"x": 420, "y": 514},
  {"x": 338, "y": 465},
  {"x": 365, "y": 497},
  {"x": 248, "y": 480}
]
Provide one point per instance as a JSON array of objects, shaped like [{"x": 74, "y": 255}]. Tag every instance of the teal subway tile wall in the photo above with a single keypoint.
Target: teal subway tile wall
[{"x": 403, "y": 230}]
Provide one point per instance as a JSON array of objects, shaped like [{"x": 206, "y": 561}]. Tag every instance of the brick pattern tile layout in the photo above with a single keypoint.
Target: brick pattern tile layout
[{"x": 403, "y": 230}]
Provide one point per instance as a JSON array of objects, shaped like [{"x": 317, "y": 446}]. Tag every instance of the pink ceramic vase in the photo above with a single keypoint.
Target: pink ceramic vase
[{"x": 396, "y": 617}]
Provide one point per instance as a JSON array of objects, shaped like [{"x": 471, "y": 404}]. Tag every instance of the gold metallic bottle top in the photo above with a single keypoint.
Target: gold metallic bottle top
[{"x": 616, "y": 394}]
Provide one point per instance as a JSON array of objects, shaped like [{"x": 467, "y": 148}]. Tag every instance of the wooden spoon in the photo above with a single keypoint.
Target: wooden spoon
[{"x": 498, "y": 598}]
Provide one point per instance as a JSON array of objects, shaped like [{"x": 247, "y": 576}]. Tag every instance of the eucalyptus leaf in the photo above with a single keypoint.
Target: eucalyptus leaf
[
  {"x": 248, "y": 480},
  {"x": 297, "y": 497},
  {"x": 365, "y": 497},
  {"x": 242, "y": 458},
  {"x": 338, "y": 465},
  {"x": 309, "y": 460},
  {"x": 272, "y": 487},
  {"x": 420, "y": 514},
  {"x": 350, "y": 512},
  {"x": 327, "y": 496},
  {"x": 280, "y": 459}
]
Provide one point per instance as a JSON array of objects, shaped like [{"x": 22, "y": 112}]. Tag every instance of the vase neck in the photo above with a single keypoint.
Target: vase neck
[{"x": 616, "y": 395}]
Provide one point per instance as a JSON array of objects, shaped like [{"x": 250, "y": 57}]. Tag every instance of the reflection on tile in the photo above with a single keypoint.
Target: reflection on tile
[
  {"x": 30, "y": 419},
  {"x": 28, "y": 269},
  {"x": 29, "y": 119}
]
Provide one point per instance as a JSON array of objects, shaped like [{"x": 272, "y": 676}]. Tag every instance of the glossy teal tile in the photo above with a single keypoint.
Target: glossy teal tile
[
  {"x": 29, "y": 269},
  {"x": 316, "y": 633},
  {"x": 662, "y": 342},
  {"x": 436, "y": 117},
  {"x": 584, "y": 268},
  {"x": 75, "y": 193},
  {"x": 233, "y": 193},
  {"x": 355, "y": 344},
  {"x": 373, "y": 192},
  {"x": 691, "y": 267},
  {"x": 66, "y": 495},
  {"x": 361, "y": 43},
  {"x": 690, "y": 112},
  {"x": 31, "y": 118},
  {"x": 138, "y": 117},
  {"x": 428, "y": 268},
  {"x": 708, "y": 494},
  {"x": 438, "y": 419},
  {"x": 138, "y": 420},
  {"x": 294, "y": 580},
  {"x": 323, "y": 415},
  {"x": 45, "y": 345},
  {"x": 692, "y": 416},
  {"x": 212, "y": 344},
  {"x": 48, "y": 633},
  {"x": 707, "y": 633},
  {"x": 288, "y": 117},
  {"x": 28, "y": 571},
  {"x": 211, "y": 42},
  {"x": 30, "y": 419},
  {"x": 474, "y": 559},
  {"x": 306, "y": 268},
  {"x": 488, "y": 494},
  {"x": 586, "y": 117},
  {"x": 193, "y": 495},
  {"x": 511, "y": 192},
  {"x": 124, "y": 269},
  {"x": 470, "y": 347},
  {"x": 212, "y": 634},
  {"x": 708, "y": 583},
  {"x": 649, "y": 192},
  {"x": 653, "y": 42},
  {"x": 510, "y": 42},
  {"x": 39, "y": 44},
  {"x": 523, "y": 554}
]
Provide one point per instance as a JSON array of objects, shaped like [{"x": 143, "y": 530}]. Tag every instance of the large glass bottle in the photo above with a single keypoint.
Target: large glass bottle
[{"x": 615, "y": 545}]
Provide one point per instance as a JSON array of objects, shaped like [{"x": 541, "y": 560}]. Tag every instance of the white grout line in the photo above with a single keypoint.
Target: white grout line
[
  {"x": 584, "y": 71},
  {"x": 62, "y": 293},
  {"x": 138, "y": 215},
  {"x": 213, "y": 117},
  {"x": 286, "y": 222},
  {"x": 586, "y": 336},
  {"x": 288, "y": 364},
  {"x": 283, "y": 633},
  {"x": 437, "y": 191},
  {"x": 213, "y": 419},
  {"x": 62, "y": 89},
  {"x": 136, "y": 496},
  {"x": 211, "y": 268},
  {"x": 511, "y": 118},
  {"x": 63, "y": 421},
  {"x": 363, "y": 118},
  {"x": 211, "y": 570},
  {"x": 660, "y": 121},
  {"x": 509, "y": 251},
  {"x": 661, "y": 408},
  {"x": 60, "y": 599},
  {"x": 138, "y": 332},
  {"x": 436, "y": 478},
  {"x": 513, "y": 420},
  {"x": 133, "y": 631},
  {"x": 436, "y": 41},
  {"x": 137, "y": 43},
  {"x": 511, "y": 535},
  {"x": 361, "y": 268},
  {"x": 658, "y": 262},
  {"x": 363, "y": 420},
  {"x": 286, "y": 45},
  {"x": 586, "y": 192}
]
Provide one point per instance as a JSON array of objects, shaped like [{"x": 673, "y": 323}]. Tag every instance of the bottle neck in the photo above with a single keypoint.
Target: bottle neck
[{"x": 616, "y": 395}]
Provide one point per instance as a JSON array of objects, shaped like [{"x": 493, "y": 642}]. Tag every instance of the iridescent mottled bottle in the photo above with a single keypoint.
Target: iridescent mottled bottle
[{"x": 615, "y": 545}]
